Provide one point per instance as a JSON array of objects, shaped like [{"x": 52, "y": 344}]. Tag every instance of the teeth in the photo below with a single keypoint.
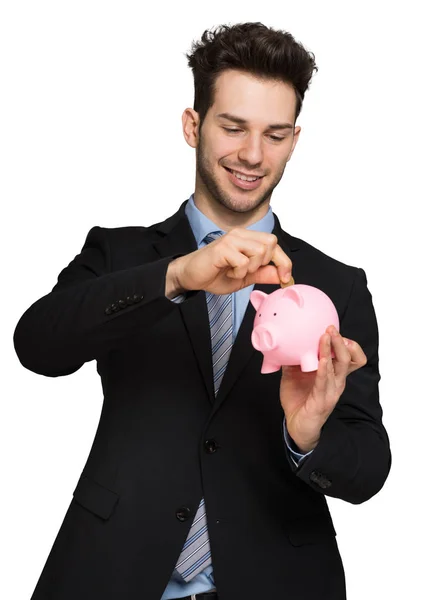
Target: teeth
[{"x": 243, "y": 178}]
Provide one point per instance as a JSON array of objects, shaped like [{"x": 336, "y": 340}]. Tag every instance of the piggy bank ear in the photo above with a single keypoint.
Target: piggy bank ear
[
  {"x": 292, "y": 294},
  {"x": 257, "y": 298}
]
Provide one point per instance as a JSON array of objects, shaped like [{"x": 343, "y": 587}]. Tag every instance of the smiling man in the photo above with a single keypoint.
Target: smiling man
[
  {"x": 241, "y": 153},
  {"x": 206, "y": 479}
]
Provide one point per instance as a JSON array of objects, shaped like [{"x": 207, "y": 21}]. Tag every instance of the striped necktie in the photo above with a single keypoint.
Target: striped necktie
[{"x": 196, "y": 555}]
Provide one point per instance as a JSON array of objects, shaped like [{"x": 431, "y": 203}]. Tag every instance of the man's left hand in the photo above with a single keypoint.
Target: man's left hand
[{"x": 308, "y": 398}]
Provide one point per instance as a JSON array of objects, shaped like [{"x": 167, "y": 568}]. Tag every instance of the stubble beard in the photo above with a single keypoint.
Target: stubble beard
[{"x": 211, "y": 185}]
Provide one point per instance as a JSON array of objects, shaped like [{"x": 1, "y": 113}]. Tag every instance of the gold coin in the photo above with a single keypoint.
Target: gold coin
[{"x": 291, "y": 282}]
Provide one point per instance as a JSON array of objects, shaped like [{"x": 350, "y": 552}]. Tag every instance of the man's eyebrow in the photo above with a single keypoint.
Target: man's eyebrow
[{"x": 241, "y": 121}]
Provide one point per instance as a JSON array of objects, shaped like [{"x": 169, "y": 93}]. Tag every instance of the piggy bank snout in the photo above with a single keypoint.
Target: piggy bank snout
[{"x": 264, "y": 338}]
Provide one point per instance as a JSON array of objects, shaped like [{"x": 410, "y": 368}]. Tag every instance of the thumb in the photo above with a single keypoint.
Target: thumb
[
  {"x": 287, "y": 370},
  {"x": 265, "y": 274}
]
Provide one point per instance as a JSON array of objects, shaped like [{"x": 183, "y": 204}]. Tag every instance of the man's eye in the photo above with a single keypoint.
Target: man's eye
[{"x": 275, "y": 138}]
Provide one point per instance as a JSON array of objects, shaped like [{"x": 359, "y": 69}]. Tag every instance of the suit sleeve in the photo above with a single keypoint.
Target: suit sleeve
[
  {"x": 91, "y": 310},
  {"x": 353, "y": 458}
]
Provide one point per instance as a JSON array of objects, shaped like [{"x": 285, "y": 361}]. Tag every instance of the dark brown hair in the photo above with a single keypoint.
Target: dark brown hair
[{"x": 252, "y": 48}]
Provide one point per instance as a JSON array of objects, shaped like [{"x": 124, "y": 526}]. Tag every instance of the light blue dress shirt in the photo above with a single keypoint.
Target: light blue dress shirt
[{"x": 201, "y": 226}]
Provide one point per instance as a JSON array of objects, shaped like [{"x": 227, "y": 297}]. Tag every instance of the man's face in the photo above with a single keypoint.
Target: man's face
[{"x": 255, "y": 147}]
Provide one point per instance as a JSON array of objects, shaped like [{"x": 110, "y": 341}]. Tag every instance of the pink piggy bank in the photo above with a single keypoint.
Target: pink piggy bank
[{"x": 289, "y": 324}]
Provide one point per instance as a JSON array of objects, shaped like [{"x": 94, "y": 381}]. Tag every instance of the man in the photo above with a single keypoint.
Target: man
[{"x": 207, "y": 479}]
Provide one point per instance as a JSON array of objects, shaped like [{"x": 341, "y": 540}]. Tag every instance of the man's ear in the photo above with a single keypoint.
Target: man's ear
[
  {"x": 190, "y": 120},
  {"x": 295, "y": 141}
]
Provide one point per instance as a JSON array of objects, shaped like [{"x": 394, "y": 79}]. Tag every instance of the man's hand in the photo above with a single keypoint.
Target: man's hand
[
  {"x": 309, "y": 398},
  {"x": 233, "y": 261}
]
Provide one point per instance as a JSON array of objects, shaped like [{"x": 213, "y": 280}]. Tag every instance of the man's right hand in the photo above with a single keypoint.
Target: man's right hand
[{"x": 231, "y": 262}]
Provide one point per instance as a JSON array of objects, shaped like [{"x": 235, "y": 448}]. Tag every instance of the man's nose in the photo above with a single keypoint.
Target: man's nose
[{"x": 251, "y": 152}]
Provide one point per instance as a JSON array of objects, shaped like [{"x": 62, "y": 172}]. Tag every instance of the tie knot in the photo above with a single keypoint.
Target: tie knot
[{"x": 213, "y": 236}]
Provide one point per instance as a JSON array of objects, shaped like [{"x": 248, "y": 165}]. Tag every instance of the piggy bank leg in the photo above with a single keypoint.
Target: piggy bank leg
[
  {"x": 269, "y": 367},
  {"x": 309, "y": 362}
]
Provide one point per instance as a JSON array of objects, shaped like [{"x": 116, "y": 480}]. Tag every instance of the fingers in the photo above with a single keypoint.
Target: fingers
[
  {"x": 349, "y": 356},
  {"x": 283, "y": 263},
  {"x": 342, "y": 355},
  {"x": 331, "y": 374},
  {"x": 357, "y": 356},
  {"x": 237, "y": 262},
  {"x": 325, "y": 383},
  {"x": 261, "y": 248},
  {"x": 243, "y": 256}
]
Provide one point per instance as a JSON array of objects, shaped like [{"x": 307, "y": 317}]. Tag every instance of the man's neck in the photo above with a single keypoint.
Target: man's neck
[{"x": 227, "y": 219}]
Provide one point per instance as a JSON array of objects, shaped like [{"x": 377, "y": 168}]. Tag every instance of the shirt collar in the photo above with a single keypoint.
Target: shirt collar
[{"x": 202, "y": 225}]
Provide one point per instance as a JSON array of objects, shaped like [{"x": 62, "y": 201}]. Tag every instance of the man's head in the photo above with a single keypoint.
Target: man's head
[{"x": 250, "y": 82}]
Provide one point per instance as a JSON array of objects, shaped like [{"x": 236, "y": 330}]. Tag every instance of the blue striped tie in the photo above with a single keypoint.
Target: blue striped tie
[{"x": 196, "y": 554}]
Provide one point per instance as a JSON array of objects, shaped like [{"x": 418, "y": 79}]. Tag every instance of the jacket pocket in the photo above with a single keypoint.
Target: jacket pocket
[
  {"x": 310, "y": 529},
  {"x": 98, "y": 499}
]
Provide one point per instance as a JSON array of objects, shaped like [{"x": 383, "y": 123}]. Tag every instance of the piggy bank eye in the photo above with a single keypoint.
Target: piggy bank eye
[{"x": 274, "y": 314}]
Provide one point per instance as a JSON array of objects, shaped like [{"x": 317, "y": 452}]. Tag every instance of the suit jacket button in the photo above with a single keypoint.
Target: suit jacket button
[
  {"x": 315, "y": 476},
  {"x": 108, "y": 310},
  {"x": 137, "y": 298},
  {"x": 320, "y": 479},
  {"x": 211, "y": 446},
  {"x": 129, "y": 300},
  {"x": 183, "y": 513},
  {"x": 122, "y": 303},
  {"x": 115, "y": 307}
]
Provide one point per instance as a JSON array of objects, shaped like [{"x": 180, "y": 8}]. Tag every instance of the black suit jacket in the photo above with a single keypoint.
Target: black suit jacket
[{"x": 163, "y": 441}]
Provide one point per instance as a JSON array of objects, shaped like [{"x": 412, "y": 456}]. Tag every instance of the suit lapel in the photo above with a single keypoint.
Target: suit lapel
[{"x": 178, "y": 238}]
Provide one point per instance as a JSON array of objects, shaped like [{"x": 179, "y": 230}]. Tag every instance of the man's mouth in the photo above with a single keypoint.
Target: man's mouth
[{"x": 242, "y": 176}]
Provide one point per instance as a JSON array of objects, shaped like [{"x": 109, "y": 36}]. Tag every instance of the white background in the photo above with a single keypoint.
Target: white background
[{"x": 91, "y": 103}]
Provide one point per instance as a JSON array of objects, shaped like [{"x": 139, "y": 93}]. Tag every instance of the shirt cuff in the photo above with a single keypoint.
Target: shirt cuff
[
  {"x": 179, "y": 299},
  {"x": 296, "y": 455}
]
